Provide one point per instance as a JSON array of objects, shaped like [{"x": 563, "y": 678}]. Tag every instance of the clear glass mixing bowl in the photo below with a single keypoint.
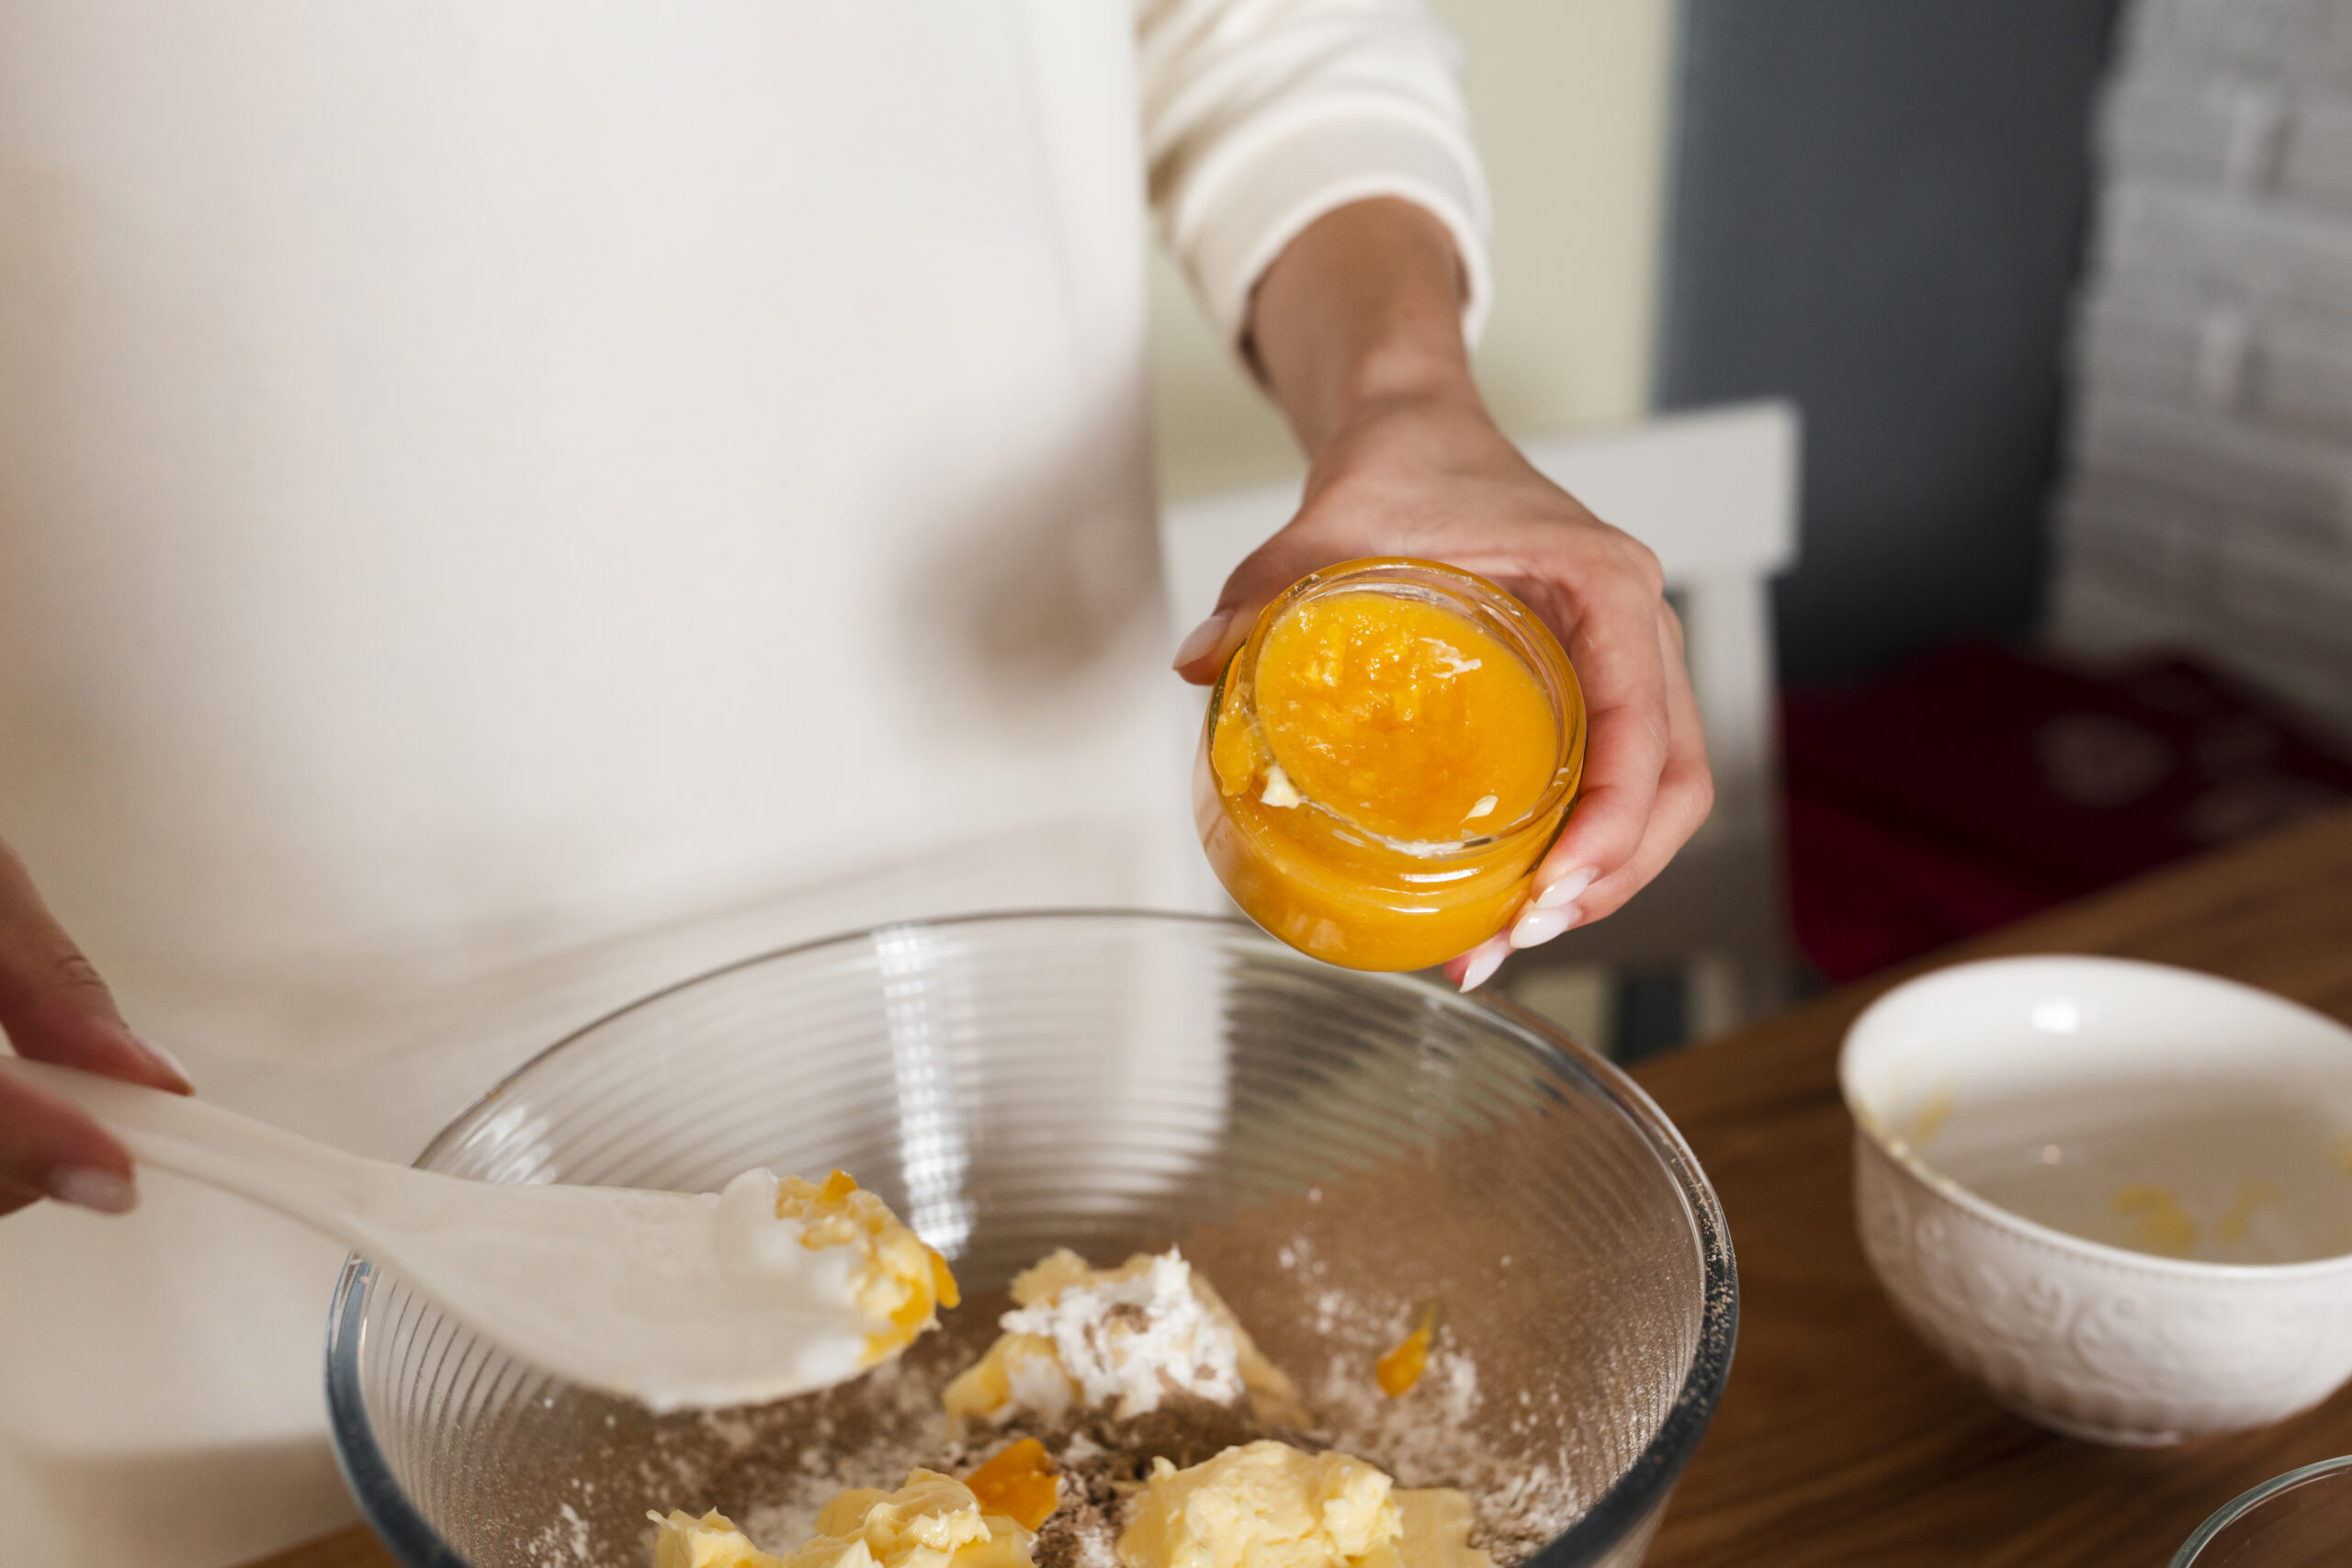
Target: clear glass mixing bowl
[{"x": 1333, "y": 1149}]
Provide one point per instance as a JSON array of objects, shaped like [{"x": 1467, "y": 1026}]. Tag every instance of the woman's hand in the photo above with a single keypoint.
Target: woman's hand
[
  {"x": 53, "y": 1008},
  {"x": 1357, "y": 327}
]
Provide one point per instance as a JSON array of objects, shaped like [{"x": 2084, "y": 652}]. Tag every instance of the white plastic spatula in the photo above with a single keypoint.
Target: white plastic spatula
[{"x": 678, "y": 1299}]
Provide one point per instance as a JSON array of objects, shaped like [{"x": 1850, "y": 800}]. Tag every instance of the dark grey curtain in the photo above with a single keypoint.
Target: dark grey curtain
[{"x": 1877, "y": 207}]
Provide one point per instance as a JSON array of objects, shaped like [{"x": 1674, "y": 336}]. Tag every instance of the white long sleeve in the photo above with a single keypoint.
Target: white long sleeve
[{"x": 1260, "y": 116}]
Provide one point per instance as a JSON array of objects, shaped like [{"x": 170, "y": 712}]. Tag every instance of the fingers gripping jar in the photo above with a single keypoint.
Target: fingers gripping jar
[{"x": 1385, "y": 761}]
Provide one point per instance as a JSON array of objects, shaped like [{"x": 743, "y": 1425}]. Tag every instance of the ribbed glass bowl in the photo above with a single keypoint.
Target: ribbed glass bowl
[
  {"x": 2300, "y": 1519},
  {"x": 1332, "y": 1148}
]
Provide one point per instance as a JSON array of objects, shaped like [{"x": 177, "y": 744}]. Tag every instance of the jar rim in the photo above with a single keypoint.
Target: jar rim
[{"x": 1494, "y": 608}]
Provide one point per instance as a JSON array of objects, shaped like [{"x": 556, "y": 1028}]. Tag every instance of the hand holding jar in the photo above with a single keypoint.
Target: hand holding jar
[{"x": 1365, "y": 356}]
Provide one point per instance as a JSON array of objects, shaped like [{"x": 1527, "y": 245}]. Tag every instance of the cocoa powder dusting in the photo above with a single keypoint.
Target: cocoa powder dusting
[{"x": 871, "y": 1433}]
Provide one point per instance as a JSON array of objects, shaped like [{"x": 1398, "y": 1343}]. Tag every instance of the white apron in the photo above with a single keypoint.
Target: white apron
[{"x": 502, "y": 506}]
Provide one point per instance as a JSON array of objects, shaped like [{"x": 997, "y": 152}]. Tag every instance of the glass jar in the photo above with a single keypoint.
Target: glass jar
[{"x": 1316, "y": 872}]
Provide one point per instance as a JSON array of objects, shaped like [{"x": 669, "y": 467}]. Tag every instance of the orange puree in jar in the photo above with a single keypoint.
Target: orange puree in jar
[{"x": 1385, "y": 761}]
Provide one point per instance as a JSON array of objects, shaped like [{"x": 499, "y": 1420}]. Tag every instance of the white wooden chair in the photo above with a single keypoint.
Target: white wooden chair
[{"x": 1714, "y": 493}]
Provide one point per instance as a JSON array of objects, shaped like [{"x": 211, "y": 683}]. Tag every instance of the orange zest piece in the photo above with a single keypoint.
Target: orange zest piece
[
  {"x": 916, "y": 1312},
  {"x": 896, "y": 1277},
  {"x": 1400, "y": 1369},
  {"x": 943, "y": 1282},
  {"x": 1021, "y": 1483}
]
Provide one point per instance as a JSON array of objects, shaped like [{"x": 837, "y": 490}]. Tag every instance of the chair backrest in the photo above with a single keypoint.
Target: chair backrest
[{"x": 1714, "y": 493}]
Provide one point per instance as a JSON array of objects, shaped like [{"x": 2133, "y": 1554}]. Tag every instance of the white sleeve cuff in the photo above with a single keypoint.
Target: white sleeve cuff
[{"x": 1254, "y": 194}]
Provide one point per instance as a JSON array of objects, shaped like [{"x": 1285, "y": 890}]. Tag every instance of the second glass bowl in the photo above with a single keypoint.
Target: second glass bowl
[{"x": 2300, "y": 1519}]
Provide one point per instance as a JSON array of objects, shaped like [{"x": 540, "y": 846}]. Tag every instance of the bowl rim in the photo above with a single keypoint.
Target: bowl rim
[
  {"x": 1642, "y": 1488},
  {"x": 2081, "y": 1248},
  {"x": 2247, "y": 1501}
]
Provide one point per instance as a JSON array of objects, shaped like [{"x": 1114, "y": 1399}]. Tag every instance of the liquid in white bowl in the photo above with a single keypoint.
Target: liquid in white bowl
[{"x": 2236, "y": 1179}]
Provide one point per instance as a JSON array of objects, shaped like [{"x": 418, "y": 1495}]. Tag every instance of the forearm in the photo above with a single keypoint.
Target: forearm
[{"x": 1363, "y": 308}]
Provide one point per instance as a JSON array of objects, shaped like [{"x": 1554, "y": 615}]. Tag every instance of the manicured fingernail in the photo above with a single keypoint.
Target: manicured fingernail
[
  {"x": 164, "y": 1058},
  {"x": 1485, "y": 959},
  {"x": 1541, "y": 926},
  {"x": 1566, "y": 890},
  {"x": 87, "y": 1187},
  {"x": 1204, "y": 638}
]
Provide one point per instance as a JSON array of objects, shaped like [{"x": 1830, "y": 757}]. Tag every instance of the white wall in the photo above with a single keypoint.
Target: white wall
[{"x": 1569, "y": 98}]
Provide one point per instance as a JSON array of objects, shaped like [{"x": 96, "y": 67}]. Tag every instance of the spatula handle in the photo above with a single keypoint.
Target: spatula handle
[{"x": 321, "y": 1186}]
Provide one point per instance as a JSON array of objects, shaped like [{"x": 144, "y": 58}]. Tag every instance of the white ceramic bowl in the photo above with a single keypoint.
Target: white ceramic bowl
[{"x": 2160, "y": 1110}]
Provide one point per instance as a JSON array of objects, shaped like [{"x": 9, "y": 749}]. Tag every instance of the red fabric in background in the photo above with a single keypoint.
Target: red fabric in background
[{"x": 1978, "y": 784}]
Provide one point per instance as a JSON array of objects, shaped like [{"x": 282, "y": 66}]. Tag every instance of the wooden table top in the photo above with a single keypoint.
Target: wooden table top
[{"x": 1840, "y": 1438}]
